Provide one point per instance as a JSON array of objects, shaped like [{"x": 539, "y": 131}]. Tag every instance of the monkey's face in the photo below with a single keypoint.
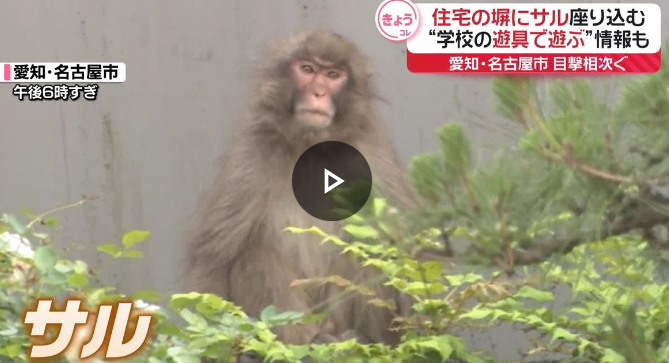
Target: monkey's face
[{"x": 318, "y": 85}]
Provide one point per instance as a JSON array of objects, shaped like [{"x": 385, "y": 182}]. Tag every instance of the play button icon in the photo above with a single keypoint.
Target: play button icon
[
  {"x": 332, "y": 181},
  {"x": 329, "y": 175}
]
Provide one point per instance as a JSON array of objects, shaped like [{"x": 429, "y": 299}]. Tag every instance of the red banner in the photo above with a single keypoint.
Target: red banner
[{"x": 524, "y": 63}]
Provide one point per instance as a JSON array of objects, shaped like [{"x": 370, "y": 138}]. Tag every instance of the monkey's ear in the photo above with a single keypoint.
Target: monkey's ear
[
  {"x": 364, "y": 74},
  {"x": 368, "y": 72},
  {"x": 360, "y": 65}
]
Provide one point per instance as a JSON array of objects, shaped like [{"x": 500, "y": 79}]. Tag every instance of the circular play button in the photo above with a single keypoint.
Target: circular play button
[{"x": 332, "y": 181}]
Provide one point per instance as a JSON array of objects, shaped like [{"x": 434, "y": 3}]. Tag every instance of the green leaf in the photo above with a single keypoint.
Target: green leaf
[
  {"x": 186, "y": 359},
  {"x": 13, "y": 350},
  {"x": 51, "y": 222},
  {"x": 211, "y": 303},
  {"x": 110, "y": 249},
  {"x": 200, "y": 343},
  {"x": 287, "y": 316},
  {"x": 80, "y": 267},
  {"x": 181, "y": 355},
  {"x": 134, "y": 237},
  {"x": 45, "y": 258},
  {"x": 455, "y": 147},
  {"x": 42, "y": 236},
  {"x": 10, "y": 331},
  {"x": 457, "y": 280},
  {"x": 313, "y": 318},
  {"x": 176, "y": 351},
  {"x": 477, "y": 314},
  {"x": 361, "y": 232},
  {"x": 425, "y": 173},
  {"x": 534, "y": 294},
  {"x": 268, "y": 313},
  {"x": 432, "y": 270},
  {"x": 96, "y": 295},
  {"x": 561, "y": 333},
  {"x": 131, "y": 254},
  {"x": 145, "y": 295},
  {"x": 440, "y": 344},
  {"x": 169, "y": 329},
  {"x": 355, "y": 219},
  {"x": 379, "y": 206},
  {"x": 14, "y": 223},
  {"x": 193, "y": 319},
  {"x": 64, "y": 268},
  {"x": 77, "y": 280},
  {"x": 28, "y": 213},
  {"x": 611, "y": 356},
  {"x": 246, "y": 327},
  {"x": 179, "y": 301},
  {"x": 314, "y": 230}
]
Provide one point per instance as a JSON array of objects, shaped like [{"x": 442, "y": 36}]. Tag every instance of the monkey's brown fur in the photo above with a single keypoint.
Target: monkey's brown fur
[{"x": 237, "y": 247}]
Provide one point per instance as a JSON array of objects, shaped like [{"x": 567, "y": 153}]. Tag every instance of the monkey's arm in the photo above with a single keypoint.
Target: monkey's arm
[
  {"x": 230, "y": 216},
  {"x": 390, "y": 177}
]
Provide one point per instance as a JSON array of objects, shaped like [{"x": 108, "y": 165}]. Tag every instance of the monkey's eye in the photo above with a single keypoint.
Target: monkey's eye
[
  {"x": 333, "y": 74},
  {"x": 307, "y": 68}
]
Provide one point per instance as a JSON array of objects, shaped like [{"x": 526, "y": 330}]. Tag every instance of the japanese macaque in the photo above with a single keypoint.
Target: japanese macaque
[{"x": 314, "y": 86}]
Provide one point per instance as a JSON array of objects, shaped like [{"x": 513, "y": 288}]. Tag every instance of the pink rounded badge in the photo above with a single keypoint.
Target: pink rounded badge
[{"x": 397, "y": 20}]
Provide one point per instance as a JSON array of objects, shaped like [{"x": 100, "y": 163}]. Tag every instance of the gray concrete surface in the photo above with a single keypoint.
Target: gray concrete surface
[{"x": 147, "y": 147}]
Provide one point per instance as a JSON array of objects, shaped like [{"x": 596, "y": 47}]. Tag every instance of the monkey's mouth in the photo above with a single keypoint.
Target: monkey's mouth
[
  {"x": 314, "y": 118},
  {"x": 314, "y": 112}
]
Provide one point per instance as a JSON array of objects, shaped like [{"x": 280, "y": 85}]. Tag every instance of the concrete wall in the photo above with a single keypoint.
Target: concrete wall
[{"x": 147, "y": 147}]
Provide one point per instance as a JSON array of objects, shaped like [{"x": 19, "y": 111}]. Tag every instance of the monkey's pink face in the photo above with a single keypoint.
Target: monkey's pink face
[{"x": 318, "y": 84}]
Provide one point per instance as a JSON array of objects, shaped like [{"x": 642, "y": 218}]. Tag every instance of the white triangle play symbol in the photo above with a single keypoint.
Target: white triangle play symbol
[{"x": 338, "y": 179}]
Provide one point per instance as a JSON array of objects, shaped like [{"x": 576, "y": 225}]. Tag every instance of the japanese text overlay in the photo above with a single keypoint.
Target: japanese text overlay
[{"x": 536, "y": 38}]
